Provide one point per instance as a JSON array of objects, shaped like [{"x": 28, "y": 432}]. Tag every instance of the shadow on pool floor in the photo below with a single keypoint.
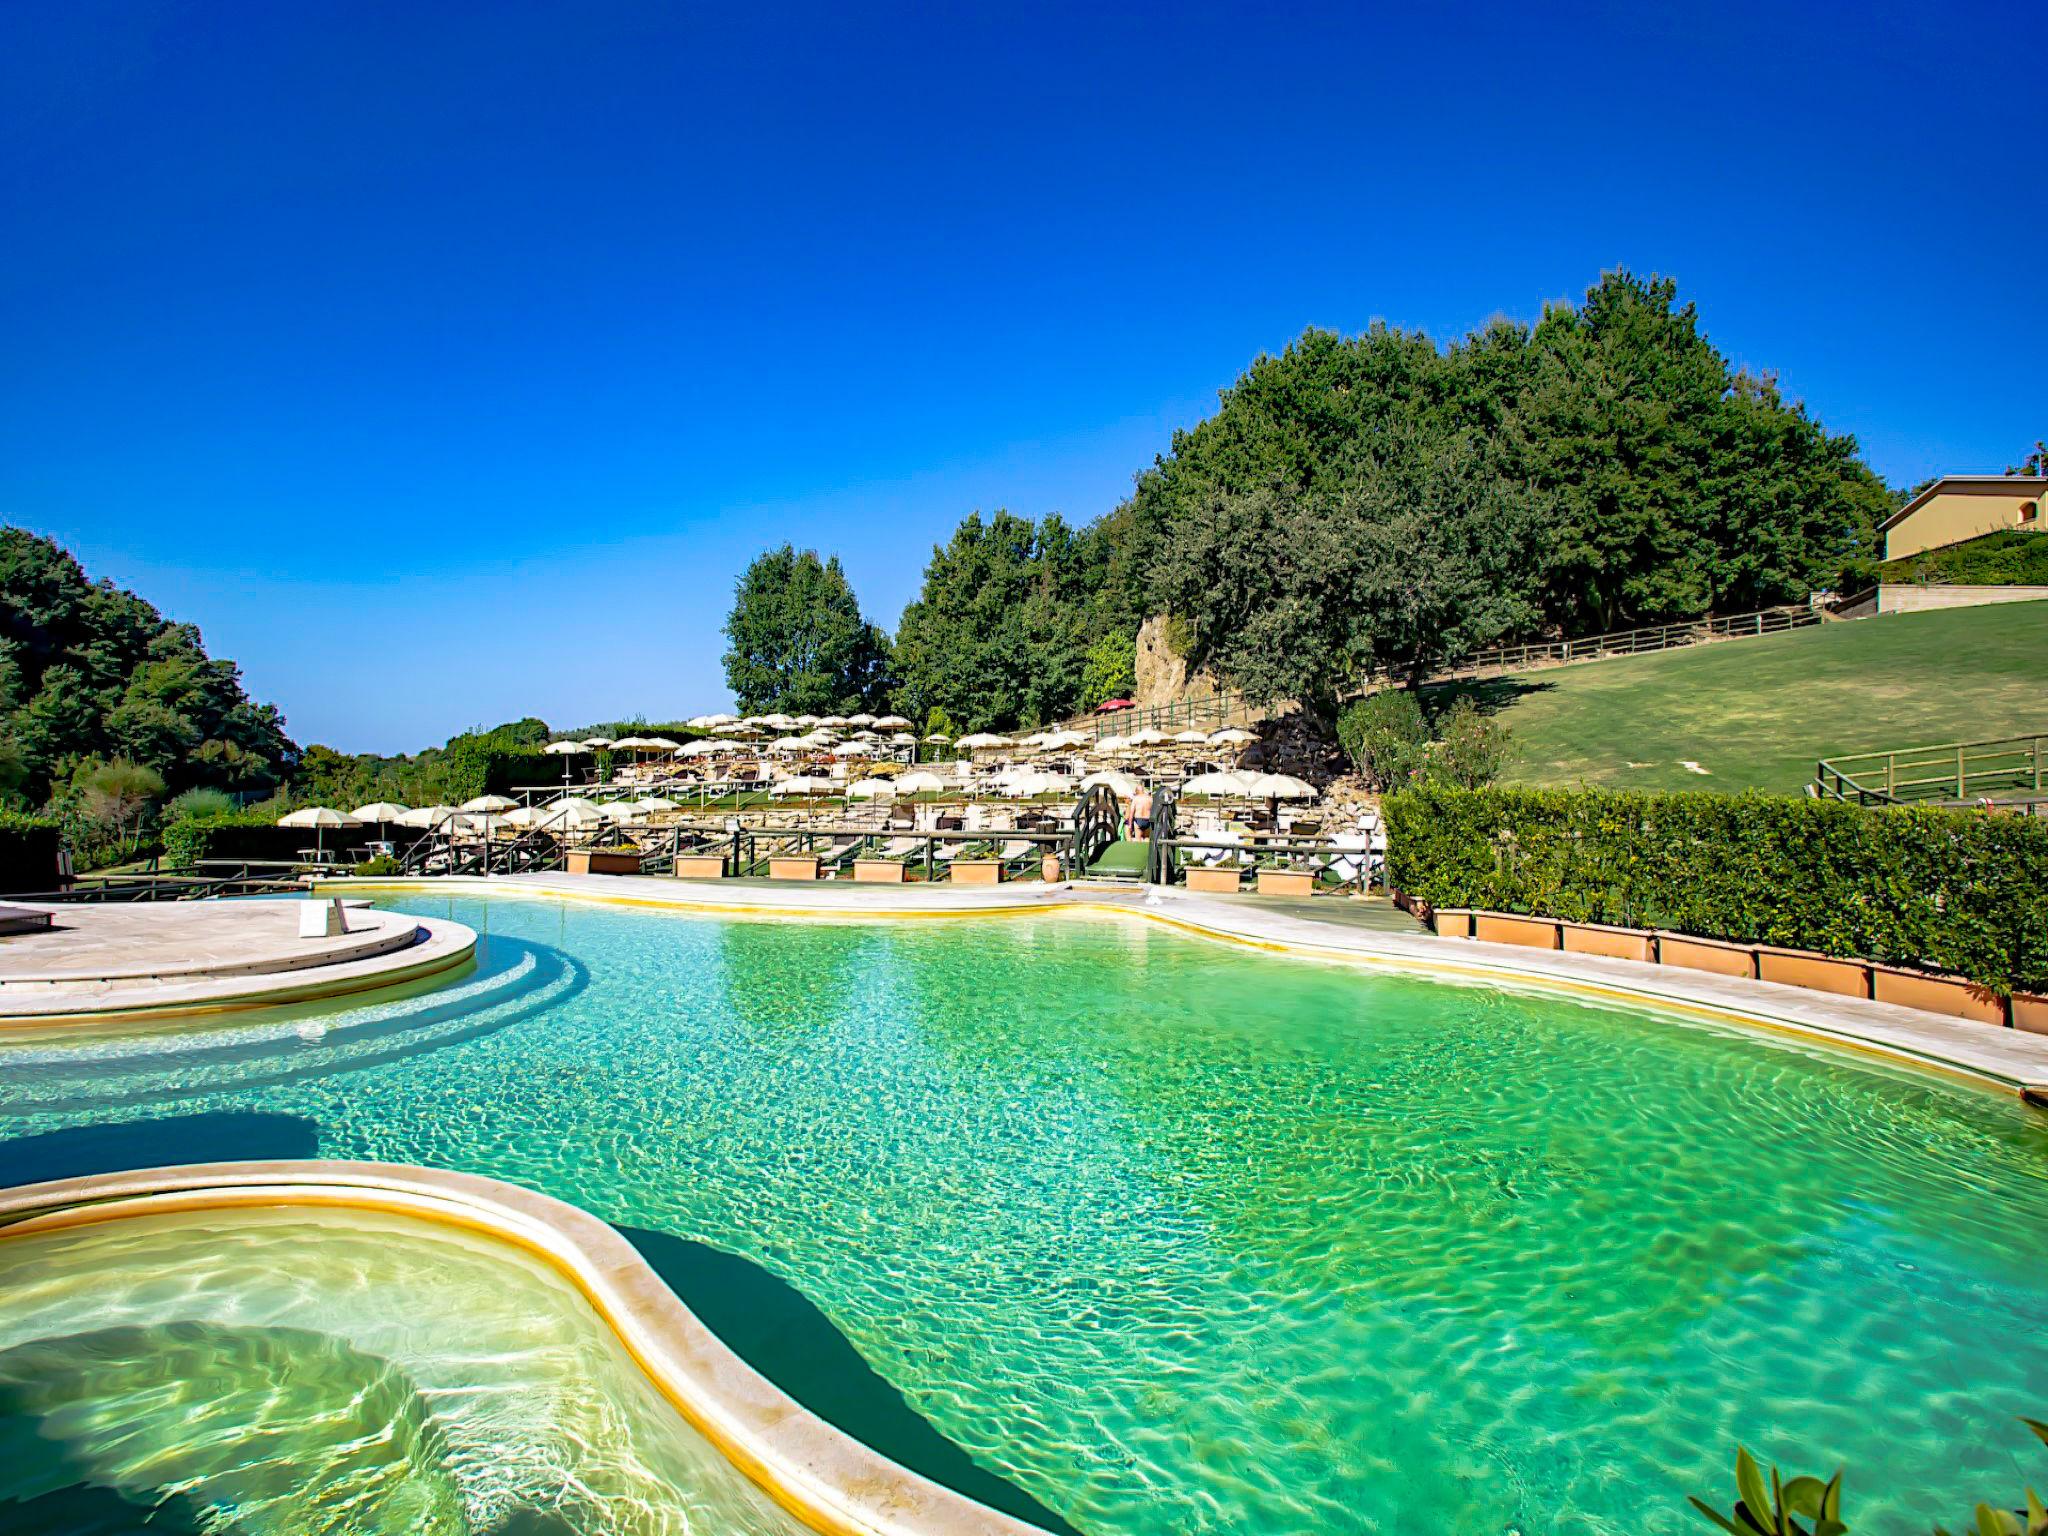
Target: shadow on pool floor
[{"x": 776, "y": 1330}]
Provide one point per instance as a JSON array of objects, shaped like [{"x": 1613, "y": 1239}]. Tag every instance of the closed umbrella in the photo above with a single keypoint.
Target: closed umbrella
[{"x": 319, "y": 818}]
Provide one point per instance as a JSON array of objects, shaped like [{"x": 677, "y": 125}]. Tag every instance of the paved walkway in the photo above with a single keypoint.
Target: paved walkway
[{"x": 1372, "y": 934}]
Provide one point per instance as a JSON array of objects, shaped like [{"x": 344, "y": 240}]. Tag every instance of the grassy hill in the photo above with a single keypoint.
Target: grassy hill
[{"x": 1756, "y": 713}]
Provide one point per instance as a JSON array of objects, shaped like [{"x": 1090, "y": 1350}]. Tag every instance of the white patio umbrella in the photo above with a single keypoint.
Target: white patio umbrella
[
  {"x": 629, "y": 743},
  {"x": 856, "y": 749},
  {"x": 1218, "y": 784},
  {"x": 572, "y": 811},
  {"x": 705, "y": 722},
  {"x": 891, "y": 722},
  {"x": 788, "y": 744},
  {"x": 1122, "y": 783},
  {"x": 903, "y": 739},
  {"x": 1059, "y": 741},
  {"x": 488, "y": 803},
  {"x": 594, "y": 742},
  {"x": 620, "y": 810},
  {"x": 1149, "y": 738},
  {"x": 938, "y": 737},
  {"x": 525, "y": 816},
  {"x": 563, "y": 748},
  {"x": 980, "y": 741},
  {"x": 425, "y": 816},
  {"x": 700, "y": 748},
  {"x": 806, "y": 720},
  {"x": 918, "y": 782},
  {"x": 379, "y": 811},
  {"x": 662, "y": 744},
  {"x": 1231, "y": 736},
  {"x": 652, "y": 803},
  {"x": 860, "y": 719},
  {"x": 1191, "y": 738},
  {"x": 834, "y": 720},
  {"x": 319, "y": 818},
  {"x": 872, "y": 789},
  {"x": 734, "y": 728},
  {"x": 800, "y": 784},
  {"x": 1025, "y": 782},
  {"x": 1113, "y": 744},
  {"x": 1279, "y": 786}
]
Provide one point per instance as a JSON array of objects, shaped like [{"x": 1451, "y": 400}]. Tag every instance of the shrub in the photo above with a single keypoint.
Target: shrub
[
  {"x": 250, "y": 834},
  {"x": 1953, "y": 891},
  {"x": 28, "y": 852},
  {"x": 200, "y": 803},
  {"x": 1384, "y": 735},
  {"x": 382, "y": 864},
  {"x": 1472, "y": 747}
]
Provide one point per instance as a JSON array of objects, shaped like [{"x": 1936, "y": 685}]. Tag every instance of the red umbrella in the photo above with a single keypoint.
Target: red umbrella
[{"x": 1107, "y": 705}]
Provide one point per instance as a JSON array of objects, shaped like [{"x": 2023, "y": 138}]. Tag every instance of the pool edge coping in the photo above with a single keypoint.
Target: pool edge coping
[
  {"x": 826, "y": 1479},
  {"x": 1887, "y": 1031}
]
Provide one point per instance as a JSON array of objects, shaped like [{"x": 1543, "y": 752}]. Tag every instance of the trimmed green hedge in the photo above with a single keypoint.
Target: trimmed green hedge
[
  {"x": 470, "y": 770},
  {"x": 249, "y": 835},
  {"x": 1963, "y": 892},
  {"x": 28, "y": 852}
]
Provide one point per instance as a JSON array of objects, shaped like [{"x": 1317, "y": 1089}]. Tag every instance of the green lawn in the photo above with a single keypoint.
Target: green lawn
[{"x": 1756, "y": 713}]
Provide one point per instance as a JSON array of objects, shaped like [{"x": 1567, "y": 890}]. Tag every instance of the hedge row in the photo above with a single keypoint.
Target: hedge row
[
  {"x": 471, "y": 770},
  {"x": 28, "y": 852},
  {"x": 250, "y": 835},
  {"x": 1964, "y": 892}
]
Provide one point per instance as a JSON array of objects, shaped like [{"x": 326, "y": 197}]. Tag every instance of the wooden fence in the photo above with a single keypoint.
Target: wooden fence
[
  {"x": 2013, "y": 768},
  {"x": 1499, "y": 660}
]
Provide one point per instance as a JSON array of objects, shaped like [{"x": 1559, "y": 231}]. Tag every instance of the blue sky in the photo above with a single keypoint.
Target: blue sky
[{"x": 446, "y": 363}]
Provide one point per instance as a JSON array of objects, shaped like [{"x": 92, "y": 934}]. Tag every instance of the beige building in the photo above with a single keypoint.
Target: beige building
[{"x": 1958, "y": 507}]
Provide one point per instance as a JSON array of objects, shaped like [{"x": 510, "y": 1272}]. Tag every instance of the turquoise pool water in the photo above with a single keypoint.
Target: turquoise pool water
[{"x": 1176, "y": 1237}]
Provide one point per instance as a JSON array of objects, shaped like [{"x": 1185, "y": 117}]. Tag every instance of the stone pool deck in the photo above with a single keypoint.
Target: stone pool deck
[
  {"x": 1333, "y": 928},
  {"x": 115, "y": 960}
]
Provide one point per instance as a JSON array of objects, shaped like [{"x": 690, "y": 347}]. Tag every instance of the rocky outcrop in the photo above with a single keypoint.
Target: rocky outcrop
[{"x": 1163, "y": 677}]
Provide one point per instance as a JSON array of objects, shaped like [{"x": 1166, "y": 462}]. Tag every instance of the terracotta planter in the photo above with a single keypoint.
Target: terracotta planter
[
  {"x": 977, "y": 871},
  {"x": 2030, "y": 1013},
  {"x": 1286, "y": 882},
  {"x": 700, "y": 866},
  {"x": 878, "y": 871},
  {"x": 1049, "y": 868},
  {"x": 593, "y": 861},
  {"x": 793, "y": 866},
  {"x": 1215, "y": 881},
  {"x": 1608, "y": 940},
  {"x": 1454, "y": 923},
  {"x": 1712, "y": 955},
  {"x": 1529, "y": 932},
  {"x": 1822, "y": 973},
  {"x": 1936, "y": 994}
]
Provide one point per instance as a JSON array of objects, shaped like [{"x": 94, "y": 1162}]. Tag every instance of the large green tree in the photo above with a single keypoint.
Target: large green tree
[
  {"x": 798, "y": 641},
  {"x": 91, "y": 673},
  {"x": 999, "y": 634}
]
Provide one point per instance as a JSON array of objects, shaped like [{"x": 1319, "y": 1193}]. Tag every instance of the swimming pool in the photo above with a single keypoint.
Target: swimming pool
[{"x": 1173, "y": 1237}]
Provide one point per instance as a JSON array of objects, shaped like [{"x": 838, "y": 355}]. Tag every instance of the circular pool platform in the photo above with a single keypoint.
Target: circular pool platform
[{"x": 186, "y": 957}]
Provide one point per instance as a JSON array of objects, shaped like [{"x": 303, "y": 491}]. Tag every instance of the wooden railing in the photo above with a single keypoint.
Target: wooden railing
[
  {"x": 2013, "y": 768},
  {"x": 1499, "y": 660}
]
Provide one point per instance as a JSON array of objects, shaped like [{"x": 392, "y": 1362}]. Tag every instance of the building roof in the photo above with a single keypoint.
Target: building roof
[{"x": 1968, "y": 485}]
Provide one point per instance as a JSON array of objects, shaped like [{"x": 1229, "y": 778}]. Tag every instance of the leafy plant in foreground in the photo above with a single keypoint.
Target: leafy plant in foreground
[{"x": 1803, "y": 1507}]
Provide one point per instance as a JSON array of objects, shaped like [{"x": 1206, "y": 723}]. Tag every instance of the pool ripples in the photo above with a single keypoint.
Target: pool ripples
[{"x": 1181, "y": 1239}]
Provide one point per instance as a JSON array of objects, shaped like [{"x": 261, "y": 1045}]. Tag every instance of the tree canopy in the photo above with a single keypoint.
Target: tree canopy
[
  {"x": 91, "y": 674},
  {"x": 799, "y": 643},
  {"x": 1000, "y": 633}
]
